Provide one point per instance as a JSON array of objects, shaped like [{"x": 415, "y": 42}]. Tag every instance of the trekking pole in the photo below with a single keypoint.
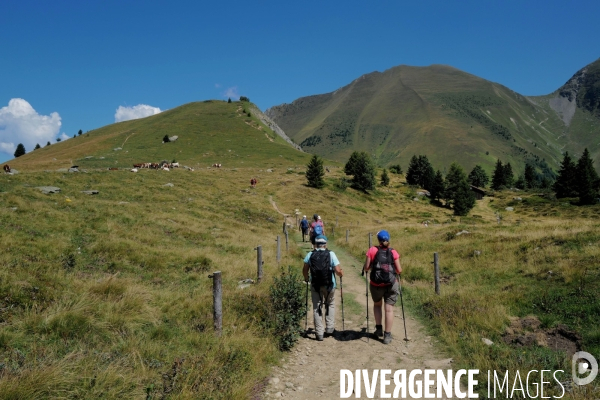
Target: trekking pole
[
  {"x": 342, "y": 293},
  {"x": 402, "y": 304},
  {"x": 306, "y": 309},
  {"x": 367, "y": 294}
]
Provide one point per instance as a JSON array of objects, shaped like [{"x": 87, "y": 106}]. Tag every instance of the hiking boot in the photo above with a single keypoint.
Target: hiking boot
[
  {"x": 378, "y": 331},
  {"x": 320, "y": 338},
  {"x": 329, "y": 331},
  {"x": 387, "y": 338}
]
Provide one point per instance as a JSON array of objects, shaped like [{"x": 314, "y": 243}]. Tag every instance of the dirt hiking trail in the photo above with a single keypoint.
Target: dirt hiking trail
[{"x": 312, "y": 369}]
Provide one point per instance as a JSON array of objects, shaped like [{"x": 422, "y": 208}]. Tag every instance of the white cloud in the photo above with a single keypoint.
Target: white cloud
[
  {"x": 64, "y": 137},
  {"x": 232, "y": 93},
  {"x": 20, "y": 123},
  {"x": 135, "y": 112}
]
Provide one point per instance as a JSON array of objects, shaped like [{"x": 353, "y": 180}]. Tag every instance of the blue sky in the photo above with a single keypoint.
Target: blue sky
[{"x": 73, "y": 64}]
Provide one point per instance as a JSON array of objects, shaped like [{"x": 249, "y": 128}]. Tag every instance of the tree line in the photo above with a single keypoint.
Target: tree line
[
  {"x": 20, "y": 150},
  {"x": 574, "y": 179}
]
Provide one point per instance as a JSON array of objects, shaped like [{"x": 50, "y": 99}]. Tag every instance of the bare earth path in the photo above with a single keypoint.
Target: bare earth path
[{"x": 312, "y": 369}]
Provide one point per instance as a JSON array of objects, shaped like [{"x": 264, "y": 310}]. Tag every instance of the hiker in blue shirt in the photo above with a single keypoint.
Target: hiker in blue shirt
[
  {"x": 323, "y": 266},
  {"x": 304, "y": 227}
]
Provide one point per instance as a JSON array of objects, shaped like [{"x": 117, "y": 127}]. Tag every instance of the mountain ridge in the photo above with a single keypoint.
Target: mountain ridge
[{"x": 405, "y": 110}]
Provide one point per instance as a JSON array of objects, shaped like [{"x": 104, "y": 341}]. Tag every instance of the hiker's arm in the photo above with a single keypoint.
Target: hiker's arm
[
  {"x": 398, "y": 267},
  {"x": 338, "y": 270},
  {"x": 305, "y": 272}
]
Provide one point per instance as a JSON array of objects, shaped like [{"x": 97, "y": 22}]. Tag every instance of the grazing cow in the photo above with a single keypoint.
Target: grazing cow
[
  {"x": 217, "y": 165},
  {"x": 146, "y": 165},
  {"x": 175, "y": 165},
  {"x": 165, "y": 168},
  {"x": 134, "y": 170},
  {"x": 138, "y": 165},
  {"x": 154, "y": 165},
  {"x": 113, "y": 169},
  {"x": 6, "y": 168}
]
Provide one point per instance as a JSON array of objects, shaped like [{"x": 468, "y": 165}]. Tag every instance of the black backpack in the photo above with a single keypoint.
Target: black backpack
[
  {"x": 320, "y": 269},
  {"x": 383, "y": 270}
]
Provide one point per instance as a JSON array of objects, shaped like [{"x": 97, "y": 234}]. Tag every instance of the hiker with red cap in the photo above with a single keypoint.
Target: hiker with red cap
[{"x": 384, "y": 264}]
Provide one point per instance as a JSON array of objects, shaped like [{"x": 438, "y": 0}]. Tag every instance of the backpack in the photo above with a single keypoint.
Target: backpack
[
  {"x": 318, "y": 230},
  {"x": 383, "y": 271},
  {"x": 320, "y": 269}
]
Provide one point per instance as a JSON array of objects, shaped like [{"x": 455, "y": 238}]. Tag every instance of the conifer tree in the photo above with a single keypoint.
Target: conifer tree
[
  {"x": 508, "y": 175},
  {"x": 361, "y": 167},
  {"x": 587, "y": 179},
  {"x": 530, "y": 176},
  {"x": 478, "y": 177},
  {"x": 48, "y": 144},
  {"x": 437, "y": 187},
  {"x": 80, "y": 132},
  {"x": 37, "y": 146},
  {"x": 315, "y": 172},
  {"x": 385, "y": 179},
  {"x": 498, "y": 176},
  {"x": 565, "y": 184},
  {"x": 458, "y": 191},
  {"x": 420, "y": 172},
  {"x": 20, "y": 150}
]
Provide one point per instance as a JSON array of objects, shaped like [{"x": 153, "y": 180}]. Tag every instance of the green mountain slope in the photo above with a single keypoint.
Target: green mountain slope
[
  {"x": 208, "y": 132},
  {"x": 439, "y": 111},
  {"x": 577, "y": 104}
]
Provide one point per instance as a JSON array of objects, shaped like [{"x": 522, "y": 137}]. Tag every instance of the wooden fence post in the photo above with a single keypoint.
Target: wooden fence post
[
  {"x": 217, "y": 302},
  {"x": 369, "y": 239},
  {"x": 436, "y": 271},
  {"x": 347, "y": 234},
  {"x": 278, "y": 249},
  {"x": 259, "y": 264},
  {"x": 286, "y": 241}
]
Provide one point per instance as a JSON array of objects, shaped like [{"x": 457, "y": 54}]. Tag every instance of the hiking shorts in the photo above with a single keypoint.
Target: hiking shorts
[{"x": 388, "y": 293}]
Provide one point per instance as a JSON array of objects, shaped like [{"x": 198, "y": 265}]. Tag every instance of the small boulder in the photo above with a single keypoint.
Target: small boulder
[
  {"x": 48, "y": 189},
  {"x": 509, "y": 209},
  {"x": 169, "y": 184},
  {"x": 90, "y": 192},
  {"x": 117, "y": 148},
  {"x": 517, "y": 199},
  {"x": 487, "y": 342},
  {"x": 462, "y": 233},
  {"x": 73, "y": 169},
  {"x": 173, "y": 138}
]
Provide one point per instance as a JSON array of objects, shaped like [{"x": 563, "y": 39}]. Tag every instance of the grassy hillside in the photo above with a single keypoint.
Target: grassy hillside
[
  {"x": 439, "y": 111},
  {"x": 209, "y": 132},
  {"x": 108, "y": 296}
]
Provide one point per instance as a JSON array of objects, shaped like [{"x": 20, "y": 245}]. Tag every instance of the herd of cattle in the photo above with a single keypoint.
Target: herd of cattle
[{"x": 163, "y": 165}]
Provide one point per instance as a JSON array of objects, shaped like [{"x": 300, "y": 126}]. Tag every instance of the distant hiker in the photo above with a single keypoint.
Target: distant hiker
[
  {"x": 323, "y": 266},
  {"x": 303, "y": 226},
  {"x": 316, "y": 229},
  {"x": 384, "y": 264}
]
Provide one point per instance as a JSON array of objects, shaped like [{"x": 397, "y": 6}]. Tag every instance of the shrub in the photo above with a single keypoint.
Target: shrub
[
  {"x": 396, "y": 169},
  {"x": 288, "y": 307}
]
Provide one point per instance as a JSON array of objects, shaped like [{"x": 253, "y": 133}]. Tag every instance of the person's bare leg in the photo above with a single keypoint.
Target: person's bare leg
[
  {"x": 377, "y": 312},
  {"x": 389, "y": 317}
]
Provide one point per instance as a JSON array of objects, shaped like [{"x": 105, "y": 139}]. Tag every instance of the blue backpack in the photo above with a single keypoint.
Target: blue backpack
[{"x": 318, "y": 230}]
